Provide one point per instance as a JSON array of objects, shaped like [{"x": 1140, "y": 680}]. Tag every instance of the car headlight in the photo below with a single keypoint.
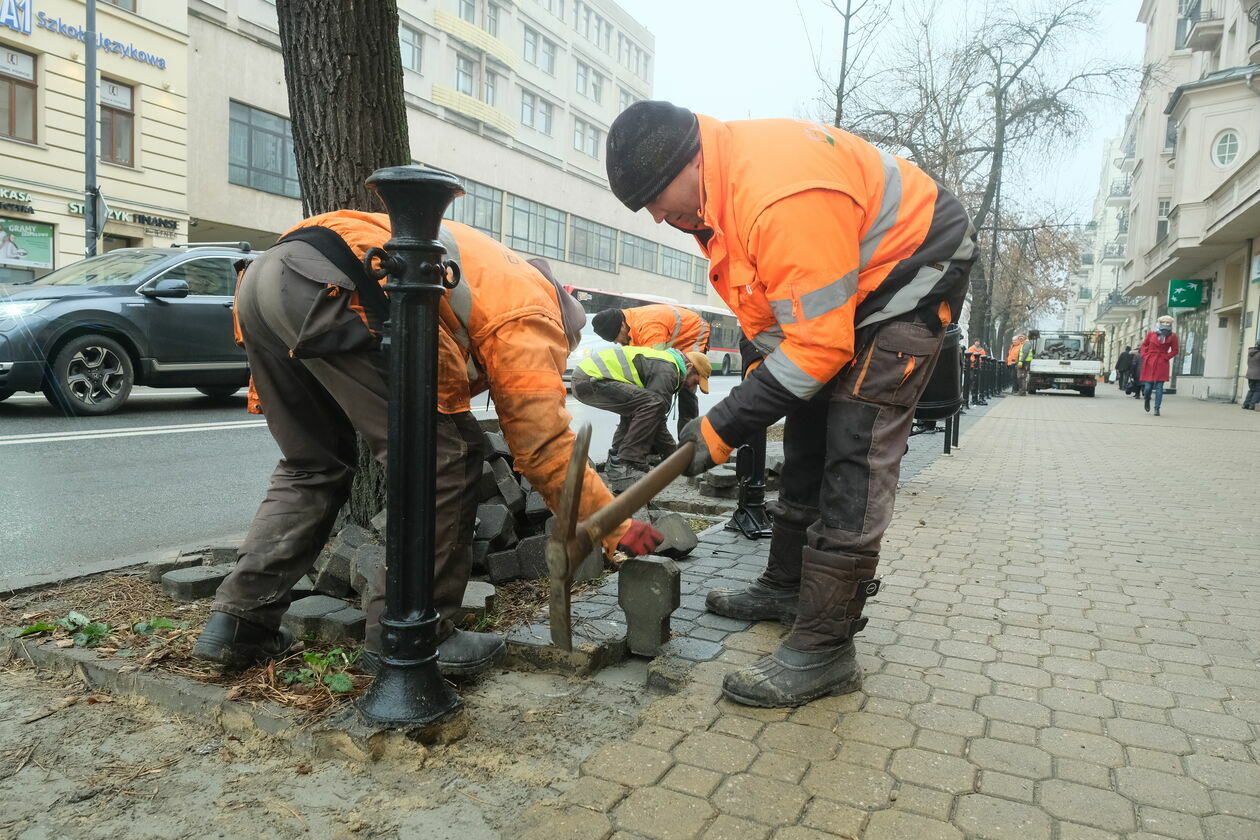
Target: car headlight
[{"x": 21, "y": 309}]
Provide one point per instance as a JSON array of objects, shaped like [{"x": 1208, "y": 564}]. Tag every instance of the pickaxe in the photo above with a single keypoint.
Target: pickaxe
[{"x": 571, "y": 541}]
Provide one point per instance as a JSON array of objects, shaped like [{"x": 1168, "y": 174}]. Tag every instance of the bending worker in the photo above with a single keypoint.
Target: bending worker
[
  {"x": 659, "y": 326},
  {"x": 844, "y": 265},
  {"x": 310, "y": 319},
  {"x": 638, "y": 383}
]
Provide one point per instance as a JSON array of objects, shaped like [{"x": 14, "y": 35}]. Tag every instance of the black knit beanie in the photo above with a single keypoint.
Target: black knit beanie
[
  {"x": 608, "y": 323},
  {"x": 648, "y": 145}
]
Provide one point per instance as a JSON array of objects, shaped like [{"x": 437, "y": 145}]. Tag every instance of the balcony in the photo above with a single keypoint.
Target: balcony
[
  {"x": 473, "y": 109},
  {"x": 476, "y": 37},
  {"x": 1113, "y": 253},
  {"x": 1115, "y": 308},
  {"x": 1121, "y": 190},
  {"x": 1207, "y": 24}
]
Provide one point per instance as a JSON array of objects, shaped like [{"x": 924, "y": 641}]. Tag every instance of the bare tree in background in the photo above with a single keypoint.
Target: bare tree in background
[
  {"x": 344, "y": 76},
  {"x": 1036, "y": 258},
  {"x": 998, "y": 89},
  {"x": 861, "y": 22}
]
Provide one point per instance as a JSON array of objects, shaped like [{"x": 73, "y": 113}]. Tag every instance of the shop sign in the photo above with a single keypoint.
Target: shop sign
[
  {"x": 25, "y": 243},
  {"x": 16, "y": 15},
  {"x": 79, "y": 33},
  {"x": 15, "y": 201},
  {"x": 156, "y": 225},
  {"x": 14, "y": 63},
  {"x": 1186, "y": 294}
]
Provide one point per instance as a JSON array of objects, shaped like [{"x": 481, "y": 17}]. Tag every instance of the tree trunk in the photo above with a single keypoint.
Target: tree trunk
[{"x": 344, "y": 76}]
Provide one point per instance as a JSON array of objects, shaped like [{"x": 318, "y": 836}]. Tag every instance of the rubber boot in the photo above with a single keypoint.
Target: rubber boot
[
  {"x": 1146, "y": 402},
  {"x": 817, "y": 658},
  {"x": 237, "y": 643},
  {"x": 773, "y": 596}
]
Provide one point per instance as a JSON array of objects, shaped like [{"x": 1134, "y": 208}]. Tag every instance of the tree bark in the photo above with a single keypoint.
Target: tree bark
[{"x": 343, "y": 72}]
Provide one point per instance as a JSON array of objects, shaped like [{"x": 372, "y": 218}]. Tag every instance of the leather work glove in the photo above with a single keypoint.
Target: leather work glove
[
  {"x": 710, "y": 450},
  {"x": 640, "y": 539}
]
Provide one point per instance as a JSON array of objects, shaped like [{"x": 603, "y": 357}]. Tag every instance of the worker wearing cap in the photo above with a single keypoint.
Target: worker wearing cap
[
  {"x": 659, "y": 326},
  {"x": 639, "y": 384},
  {"x": 844, "y": 265}
]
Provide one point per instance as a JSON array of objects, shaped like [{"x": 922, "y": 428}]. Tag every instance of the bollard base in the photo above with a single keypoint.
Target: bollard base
[
  {"x": 410, "y": 697},
  {"x": 752, "y": 521}
]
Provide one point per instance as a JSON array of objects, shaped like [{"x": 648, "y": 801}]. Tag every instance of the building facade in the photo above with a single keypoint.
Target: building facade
[
  {"x": 513, "y": 96},
  {"x": 143, "y": 129},
  {"x": 1194, "y": 192}
]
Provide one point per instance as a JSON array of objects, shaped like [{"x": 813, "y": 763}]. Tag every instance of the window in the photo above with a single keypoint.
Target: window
[
  {"x": 260, "y": 151},
  {"x": 205, "y": 277},
  {"x": 625, "y": 99},
  {"x": 536, "y": 112},
  {"x": 540, "y": 52},
  {"x": 17, "y": 95},
  {"x": 490, "y": 87},
  {"x": 638, "y": 252},
  {"x": 464, "y": 72},
  {"x": 586, "y": 138},
  {"x": 1170, "y": 134},
  {"x": 591, "y": 26},
  {"x": 593, "y": 244},
  {"x": 535, "y": 228},
  {"x": 492, "y": 19},
  {"x": 1225, "y": 148},
  {"x": 700, "y": 276},
  {"x": 556, "y": 7},
  {"x": 589, "y": 82},
  {"x": 480, "y": 206},
  {"x": 129, "y": 5},
  {"x": 1184, "y": 23},
  {"x": 632, "y": 57},
  {"x": 1161, "y": 224},
  {"x": 117, "y": 123},
  {"x": 468, "y": 10},
  {"x": 676, "y": 264},
  {"x": 411, "y": 45}
]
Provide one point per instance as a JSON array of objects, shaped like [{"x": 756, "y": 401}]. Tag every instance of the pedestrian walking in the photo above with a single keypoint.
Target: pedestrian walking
[
  {"x": 844, "y": 265},
  {"x": 1124, "y": 364},
  {"x": 1253, "y": 376},
  {"x": 1135, "y": 376},
  {"x": 639, "y": 384},
  {"x": 1159, "y": 348},
  {"x": 310, "y": 319},
  {"x": 659, "y": 326}
]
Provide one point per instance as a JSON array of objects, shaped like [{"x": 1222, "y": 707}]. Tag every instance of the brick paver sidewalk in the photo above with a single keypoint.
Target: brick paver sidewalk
[{"x": 1065, "y": 648}]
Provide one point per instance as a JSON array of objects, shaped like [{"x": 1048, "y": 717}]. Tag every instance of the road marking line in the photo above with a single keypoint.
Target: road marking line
[{"x": 58, "y": 437}]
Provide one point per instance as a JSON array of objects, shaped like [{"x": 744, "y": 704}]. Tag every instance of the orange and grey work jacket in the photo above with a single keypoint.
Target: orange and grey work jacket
[
  {"x": 812, "y": 234},
  {"x": 662, "y": 325},
  {"x": 500, "y": 329}
]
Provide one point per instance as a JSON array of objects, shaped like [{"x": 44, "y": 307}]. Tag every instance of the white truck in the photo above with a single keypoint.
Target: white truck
[{"x": 1067, "y": 360}]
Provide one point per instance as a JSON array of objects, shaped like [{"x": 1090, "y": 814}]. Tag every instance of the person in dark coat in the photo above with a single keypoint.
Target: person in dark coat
[
  {"x": 1159, "y": 348},
  {"x": 1135, "y": 376},
  {"x": 1253, "y": 377},
  {"x": 1124, "y": 364}
]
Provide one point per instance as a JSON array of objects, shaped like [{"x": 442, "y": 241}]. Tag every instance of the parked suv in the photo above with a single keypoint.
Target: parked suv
[{"x": 85, "y": 334}]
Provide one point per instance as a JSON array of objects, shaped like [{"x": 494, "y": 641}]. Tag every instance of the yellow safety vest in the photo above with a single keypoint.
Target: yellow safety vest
[{"x": 618, "y": 363}]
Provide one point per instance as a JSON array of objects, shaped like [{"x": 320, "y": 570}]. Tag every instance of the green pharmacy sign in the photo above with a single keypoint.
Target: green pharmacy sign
[
  {"x": 26, "y": 244},
  {"x": 1186, "y": 294}
]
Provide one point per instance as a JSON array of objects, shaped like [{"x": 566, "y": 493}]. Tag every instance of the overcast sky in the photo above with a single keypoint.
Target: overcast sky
[{"x": 739, "y": 59}]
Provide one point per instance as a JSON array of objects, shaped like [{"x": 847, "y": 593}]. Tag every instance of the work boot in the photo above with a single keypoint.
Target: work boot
[
  {"x": 773, "y": 596},
  {"x": 1157, "y": 412},
  {"x": 1146, "y": 402},
  {"x": 237, "y": 643},
  {"x": 791, "y": 677},
  {"x": 461, "y": 654}
]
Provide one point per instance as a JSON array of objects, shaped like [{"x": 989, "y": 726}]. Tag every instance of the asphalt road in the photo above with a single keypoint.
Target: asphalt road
[{"x": 171, "y": 469}]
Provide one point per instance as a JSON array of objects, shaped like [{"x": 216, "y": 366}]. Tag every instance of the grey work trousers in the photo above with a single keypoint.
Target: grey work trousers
[
  {"x": 317, "y": 374},
  {"x": 642, "y": 430}
]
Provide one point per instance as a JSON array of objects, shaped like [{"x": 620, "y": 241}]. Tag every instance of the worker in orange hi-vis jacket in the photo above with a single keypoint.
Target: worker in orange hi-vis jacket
[{"x": 844, "y": 265}]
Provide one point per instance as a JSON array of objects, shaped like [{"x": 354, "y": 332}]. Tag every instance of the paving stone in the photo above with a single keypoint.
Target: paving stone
[
  {"x": 503, "y": 567},
  {"x": 348, "y": 623},
  {"x": 648, "y": 593},
  {"x": 850, "y": 784},
  {"x": 305, "y": 616},
  {"x": 834, "y": 818},
  {"x": 765, "y": 800},
  {"x": 1214, "y": 725},
  {"x": 694, "y": 781},
  {"x": 154, "y": 569},
  {"x": 680, "y": 540},
  {"x": 1222, "y": 827},
  {"x": 1013, "y": 710},
  {"x": 509, "y": 489},
  {"x": 694, "y": 650},
  {"x": 597, "y": 643},
  {"x": 663, "y": 814},
  {"x": 1085, "y": 703},
  {"x": 1014, "y": 759},
  {"x": 379, "y": 523},
  {"x": 1170, "y": 823},
  {"x": 364, "y": 563},
  {"x": 1176, "y": 792},
  {"x": 194, "y": 582},
  {"x": 536, "y": 510},
  {"x": 1155, "y": 736},
  {"x": 1224, "y": 774},
  {"x": 876, "y": 729},
  {"x": 628, "y": 764},
  {"x": 896, "y": 688},
  {"x": 1067, "y": 743},
  {"x": 596, "y": 794},
  {"x": 947, "y": 719},
  {"x": 998, "y": 819},
  {"x": 781, "y": 766},
  {"x": 496, "y": 447},
  {"x": 479, "y": 598},
  {"x": 496, "y": 525},
  {"x": 1087, "y": 805},
  {"x": 488, "y": 487},
  {"x": 933, "y": 770},
  {"x": 897, "y": 825},
  {"x": 715, "y": 751},
  {"x": 733, "y": 828},
  {"x": 1005, "y": 786},
  {"x": 531, "y": 558},
  {"x": 808, "y": 742}
]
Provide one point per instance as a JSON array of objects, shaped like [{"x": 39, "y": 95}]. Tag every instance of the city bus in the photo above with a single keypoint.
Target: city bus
[{"x": 724, "y": 331}]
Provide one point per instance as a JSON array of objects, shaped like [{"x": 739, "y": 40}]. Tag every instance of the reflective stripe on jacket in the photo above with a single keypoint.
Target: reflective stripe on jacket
[
  {"x": 662, "y": 325},
  {"x": 816, "y": 233},
  {"x": 618, "y": 363}
]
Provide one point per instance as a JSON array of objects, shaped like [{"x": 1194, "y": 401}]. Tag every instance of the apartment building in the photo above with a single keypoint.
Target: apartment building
[
  {"x": 1192, "y": 192},
  {"x": 143, "y": 129},
  {"x": 513, "y": 97}
]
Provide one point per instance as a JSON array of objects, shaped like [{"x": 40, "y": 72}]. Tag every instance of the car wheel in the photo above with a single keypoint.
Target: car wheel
[
  {"x": 218, "y": 392},
  {"x": 726, "y": 366},
  {"x": 1088, "y": 392},
  {"x": 90, "y": 375}
]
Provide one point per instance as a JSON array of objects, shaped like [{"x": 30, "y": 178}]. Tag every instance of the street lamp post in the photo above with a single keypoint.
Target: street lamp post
[
  {"x": 409, "y": 690},
  {"x": 92, "y": 222}
]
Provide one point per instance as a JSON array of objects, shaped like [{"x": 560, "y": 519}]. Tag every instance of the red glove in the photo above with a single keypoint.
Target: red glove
[{"x": 640, "y": 539}]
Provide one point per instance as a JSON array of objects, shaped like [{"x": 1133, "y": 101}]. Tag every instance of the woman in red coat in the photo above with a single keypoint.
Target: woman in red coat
[{"x": 1158, "y": 350}]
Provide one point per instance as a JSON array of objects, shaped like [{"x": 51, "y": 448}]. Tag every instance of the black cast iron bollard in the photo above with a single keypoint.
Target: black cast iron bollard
[
  {"x": 750, "y": 517},
  {"x": 409, "y": 690}
]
